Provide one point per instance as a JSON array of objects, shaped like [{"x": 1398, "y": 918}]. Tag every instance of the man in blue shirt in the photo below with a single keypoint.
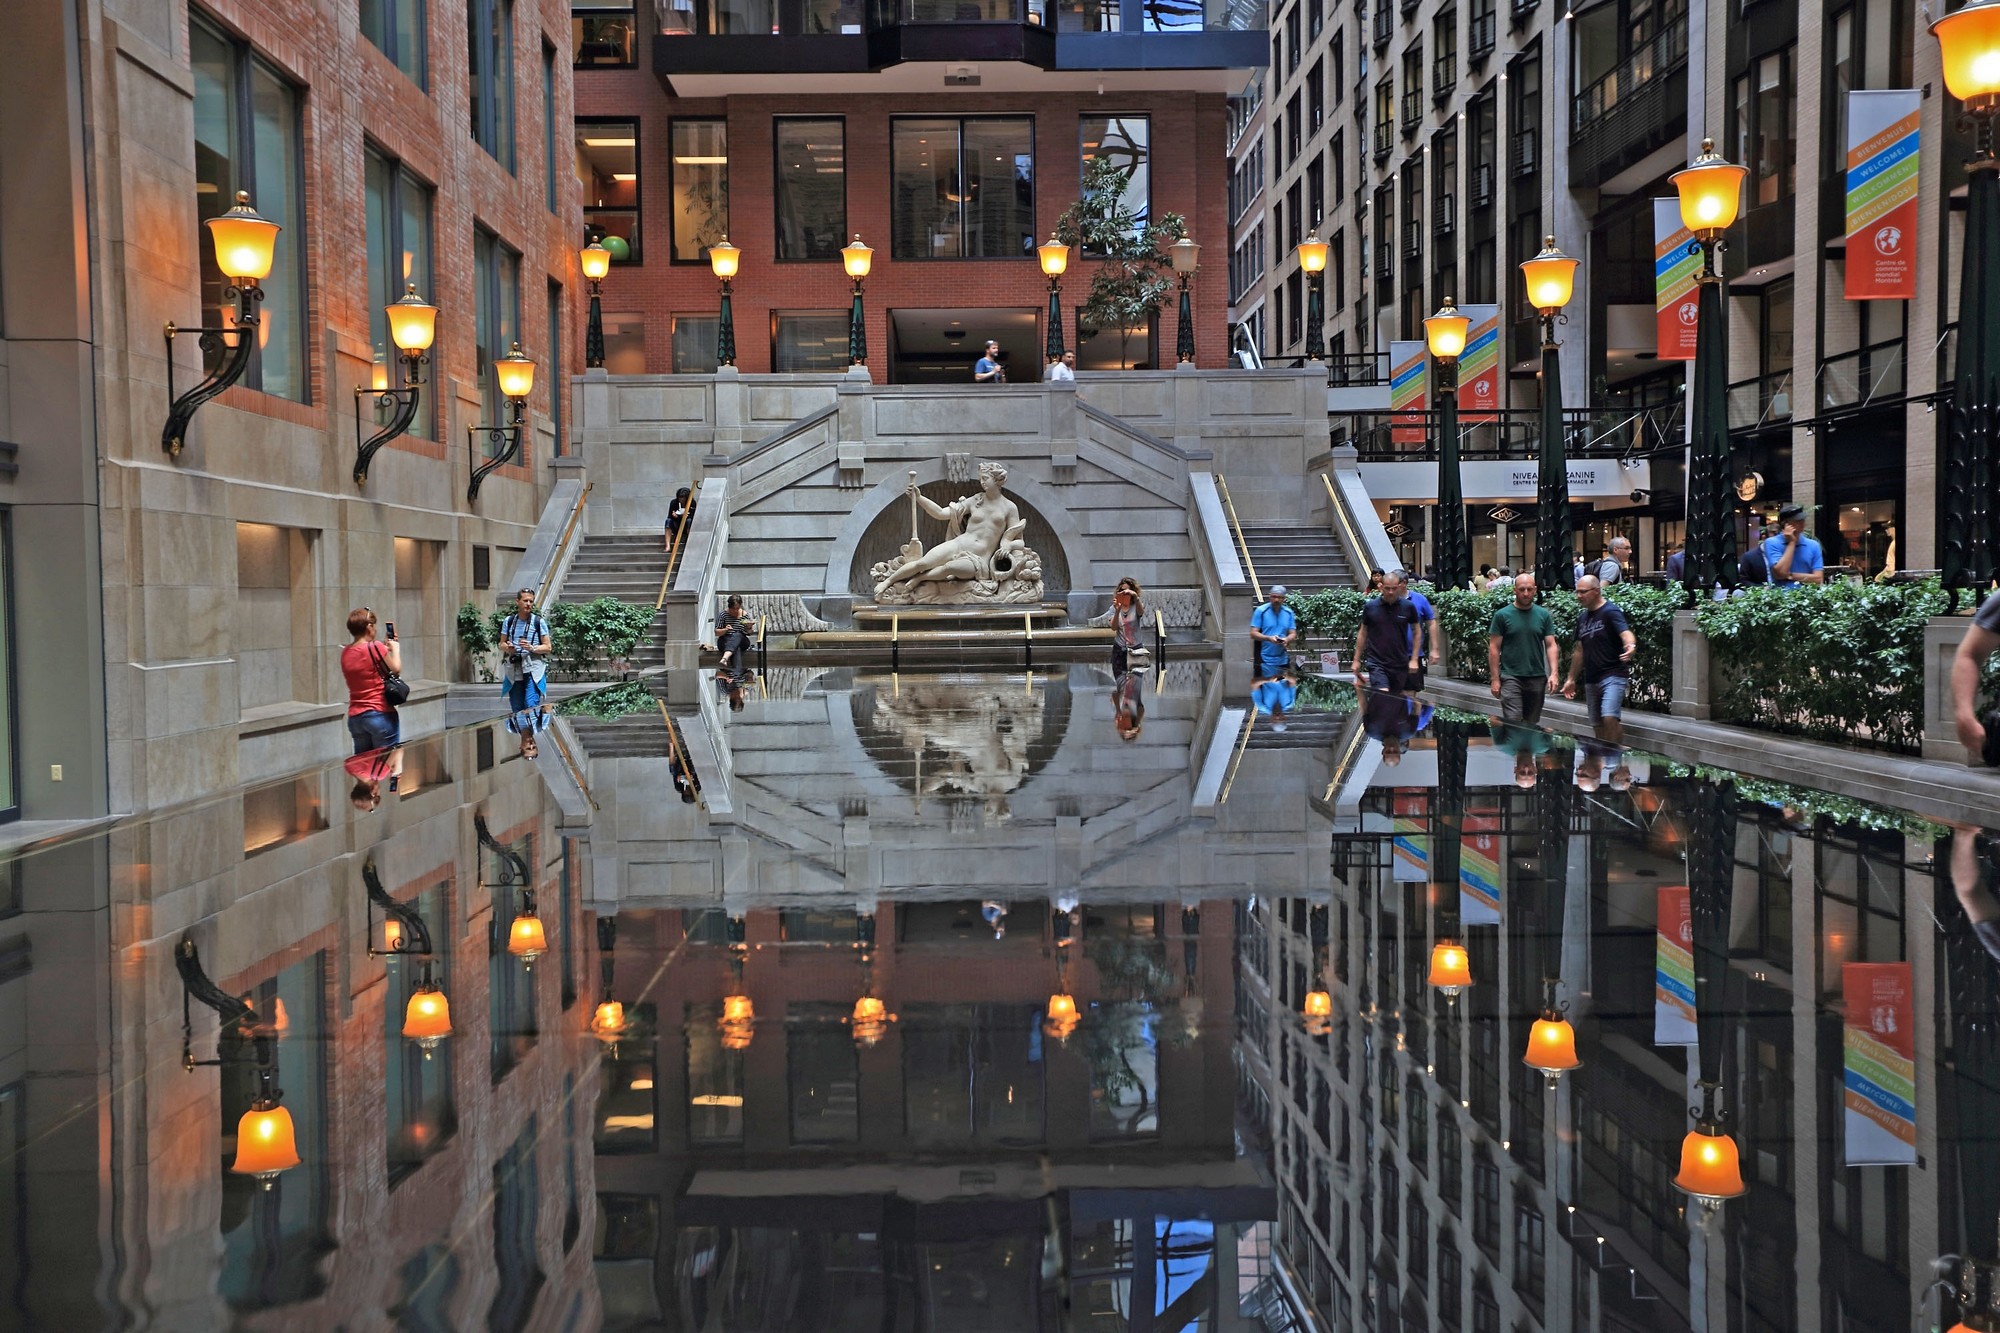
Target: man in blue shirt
[
  {"x": 1274, "y": 628},
  {"x": 988, "y": 370},
  {"x": 1426, "y": 617},
  {"x": 1385, "y": 647},
  {"x": 1793, "y": 557}
]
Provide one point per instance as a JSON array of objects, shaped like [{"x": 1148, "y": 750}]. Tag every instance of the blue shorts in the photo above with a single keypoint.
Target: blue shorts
[
  {"x": 374, "y": 731},
  {"x": 1606, "y": 697}
]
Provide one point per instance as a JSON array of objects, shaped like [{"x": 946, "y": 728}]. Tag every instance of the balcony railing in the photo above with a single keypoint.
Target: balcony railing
[
  {"x": 1482, "y": 185},
  {"x": 814, "y": 18},
  {"x": 1413, "y": 108},
  {"x": 1385, "y": 24},
  {"x": 1524, "y": 152},
  {"x": 1444, "y": 76},
  {"x": 1444, "y": 214},
  {"x": 1514, "y": 434},
  {"x": 1413, "y": 240},
  {"x": 1858, "y": 378},
  {"x": 1485, "y": 28},
  {"x": 1384, "y": 138},
  {"x": 1650, "y": 62},
  {"x": 1763, "y": 401},
  {"x": 1385, "y": 262},
  {"x": 1520, "y": 9},
  {"x": 1358, "y": 369}
]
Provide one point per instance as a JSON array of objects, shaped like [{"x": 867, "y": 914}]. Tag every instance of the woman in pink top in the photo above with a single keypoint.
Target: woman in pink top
[{"x": 370, "y": 720}]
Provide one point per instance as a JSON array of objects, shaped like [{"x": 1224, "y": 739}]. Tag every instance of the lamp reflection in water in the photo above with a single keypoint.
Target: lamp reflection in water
[
  {"x": 1060, "y": 1019},
  {"x": 1551, "y": 1041},
  {"x": 1451, "y": 968},
  {"x": 266, "y": 1140},
  {"x": 1711, "y": 1168},
  {"x": 1318, "y": 1013},
  {"x": 608, "y": 1021},
  {"x": 427, "y": 1018},
  {"x": 527, "y": 938},
  {"x": 738, "y": 1023}
]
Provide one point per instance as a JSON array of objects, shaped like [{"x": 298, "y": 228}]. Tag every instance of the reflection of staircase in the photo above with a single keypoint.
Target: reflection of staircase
[
  {"x": 628, "y": 568},
  {"x": 1303, "y": 731},
  {"x": 1303, "y": 558}
]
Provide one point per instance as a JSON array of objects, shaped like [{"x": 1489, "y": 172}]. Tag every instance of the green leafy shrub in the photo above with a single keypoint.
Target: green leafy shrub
[
  {"x": 1467, "y": 618},
  {"x": 608, "y": 704},
  {"x": 1334, "y": 612},
  {"x": 582, "y": 632},
  {"x": 478, "y": 634}
]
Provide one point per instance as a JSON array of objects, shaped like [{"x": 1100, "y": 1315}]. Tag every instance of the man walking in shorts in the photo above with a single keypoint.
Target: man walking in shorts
[
  {"x": 1385, "y": 648},
  {"x": 1602, "y": 660},
  {"x": 1521, "y": 656}
]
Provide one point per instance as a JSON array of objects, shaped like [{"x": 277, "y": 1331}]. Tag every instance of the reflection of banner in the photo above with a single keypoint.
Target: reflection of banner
[
  {"x": 1882, "y": 194},
  {"x": 1411, "y": 848},
  {"x": 1479, "y": 365},
  {"x": 1673, "y": 969},
  {"x": 1479, "y": 871},
  {"x": 1880, "y": 1064},
  {"x": 1409, "y": 386},
  {"x": 1676, "y": 260}
]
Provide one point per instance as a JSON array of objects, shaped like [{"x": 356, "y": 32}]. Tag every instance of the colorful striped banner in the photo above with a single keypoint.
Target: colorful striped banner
[
  {"x": 1410, "y": 847},
  {"x": 1673, "y": 969},
  {"x": 1879, "y": 1059},
  {"x": 1882, "y": 157},
  {"x": 1479, "y": 365},
  {"x": 1674, "y": 270},
  {"x": 1409, "y": 390},
  {"x": 1479, "y": 885}
]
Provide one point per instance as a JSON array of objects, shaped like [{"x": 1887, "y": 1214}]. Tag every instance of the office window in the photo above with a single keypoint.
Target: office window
[
  {"x": 807, "y": 340},
  {"x": 963, "y": 189},
  {"x": 246, "y": 137},
  {"x": 1486, "y": 1204},
  {"x": 399, "y": 253},
  {"x": 558, "y": 368},
  {"x": 715, "y": 1080},
  {"x": 1530, "y": 1255},
  {"x": 1124, "y": 140},
  {"x": 811, "y": 198},
  {"x": 1337, "y": 67},
  {"x": 823, "y": 1075},
  {"x": 1315, "y": 193},
  {"x": 603, "y": 36},
  {"x": 417, "y": 1086},
  {"x": 510, "y": 987},
  {"x": 1765, "y": 121},
  {"x": 1316, "y": 96},
  {"x": 1315, "y": 17},
  {"x": 625, "y": 343},
  {"x": 496, "y": 295},
  {"x": 490, "y": 70},
  {"x": 549, "y": 155},
  {"x": 699, "y": 183},
  {"x": 694, "y": 344},
  {"x": 607, "y": 165},
  {"x": 396, "y": 27}
]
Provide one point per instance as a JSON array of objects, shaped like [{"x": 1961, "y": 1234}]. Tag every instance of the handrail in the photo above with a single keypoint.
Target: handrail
[
  {"x": 673, "y": 554},
  {"x": 569, "y": 764},
  {"x": 562, "y": 544},
  {"x": 678, "y": 754},
  {"x": 1242, "y": 546},
  {"x": 1249, "y": 725},
  {"x": 1354, "y": 545}
]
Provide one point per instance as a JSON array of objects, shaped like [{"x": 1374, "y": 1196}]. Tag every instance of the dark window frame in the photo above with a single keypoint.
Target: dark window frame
[
  {"x": 673, "y": 240},
  {"x": 494, "y": 295},
  {"x": 777, "y": 233},
  {"x": 389, "y": 10},
  {"x": 637, "y": 209},
  {"x": 585, "y": 12},
  {"x": 551, "y": 196},
  {"x": 1033, "y": 122},
  {"x": 400, "y": 177},
  {"x": 491, "y": 74}
]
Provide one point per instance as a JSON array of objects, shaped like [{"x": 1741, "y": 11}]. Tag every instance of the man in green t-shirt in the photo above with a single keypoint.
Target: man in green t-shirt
[{"x": 1521, "y": 655}]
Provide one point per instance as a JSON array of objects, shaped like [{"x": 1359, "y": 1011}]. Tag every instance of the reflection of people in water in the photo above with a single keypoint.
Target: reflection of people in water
[
  {"x": 1527, "y": 744},
  {"x": 1392, "y": 719},
  {"x": 1982, "y": 908},
  {"x": 1128, "y": 707},
  {"x": 996, "y": 917},
  {"x": 684, "y": 781},
  {"x": 731, "y": 684},
  {"x": 527, "y": 724},
  {"x": 370, "y": 771},
  {"x": 1274, "y": 697}
]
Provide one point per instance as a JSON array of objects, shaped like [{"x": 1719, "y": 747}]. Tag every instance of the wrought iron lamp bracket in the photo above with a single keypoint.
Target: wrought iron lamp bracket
[
  {"x": 212, "y": 340},
  {"x": 415, "y": 941},
  {"x": 404, "y": 400},
  {"x": 506, "y": 438}
]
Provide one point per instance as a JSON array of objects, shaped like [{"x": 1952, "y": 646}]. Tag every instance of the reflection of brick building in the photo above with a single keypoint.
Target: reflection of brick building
[{"x": 946, "y": 1138}]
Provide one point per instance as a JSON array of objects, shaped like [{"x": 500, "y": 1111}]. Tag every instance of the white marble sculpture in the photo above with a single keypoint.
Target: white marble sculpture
[{"x": 982, "y": 560}]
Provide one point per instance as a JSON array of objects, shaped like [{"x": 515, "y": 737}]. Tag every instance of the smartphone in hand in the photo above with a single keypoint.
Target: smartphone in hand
[{"x": 390, "y": 627}]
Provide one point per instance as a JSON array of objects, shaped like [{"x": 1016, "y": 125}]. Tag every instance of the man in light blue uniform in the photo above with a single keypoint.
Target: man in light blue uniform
[
  {"x": 1274, "y": 628},
  {"x": 1791, "y": 556}
]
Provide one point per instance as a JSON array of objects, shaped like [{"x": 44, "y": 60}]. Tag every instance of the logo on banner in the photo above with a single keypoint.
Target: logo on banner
[
  {"x": 1478, "y": 365},
  {"x": 1689, "y": 313},
  {"x": 1889, "y": 240},
  {"x": 1882, "y": 166}
]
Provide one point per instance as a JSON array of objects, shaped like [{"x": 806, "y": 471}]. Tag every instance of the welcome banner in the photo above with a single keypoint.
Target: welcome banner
[
  {"x": 1674, "y": 270},
  {"x": 1882, "y": 194},
  {"x": 1673, "y": 969},
  {"x": 1411, "y": 845},
  {"x": 1479, "y": 365},
  {"x": 1409, "y": 388},
  {"x": 1479, "y": 871},
  {"x": 1879, "y": 1059}
]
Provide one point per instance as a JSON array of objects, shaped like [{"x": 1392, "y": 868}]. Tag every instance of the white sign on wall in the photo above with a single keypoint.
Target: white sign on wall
[{"x": 1605, "y": 479}]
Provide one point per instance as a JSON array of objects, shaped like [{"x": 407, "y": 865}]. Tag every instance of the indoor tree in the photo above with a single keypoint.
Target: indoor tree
[{"x": 1134, "y": 275}]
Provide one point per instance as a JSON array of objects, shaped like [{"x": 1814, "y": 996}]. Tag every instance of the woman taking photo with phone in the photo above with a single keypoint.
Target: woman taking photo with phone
[
  {"x": 369, "y": 666},
  {"x": 1128, "y": 621}
]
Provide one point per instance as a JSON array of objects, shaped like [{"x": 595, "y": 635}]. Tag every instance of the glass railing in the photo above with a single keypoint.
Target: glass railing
[
  {"x": 846, "y": 18},
  {"x": 1857, "y": 378},
  {"x": 1654, "y": 59},
  {"x": 1761, "y": 401}
]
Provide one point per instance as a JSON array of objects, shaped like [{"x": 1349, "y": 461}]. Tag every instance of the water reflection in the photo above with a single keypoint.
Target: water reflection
[{"x": 954, "y": 1001}]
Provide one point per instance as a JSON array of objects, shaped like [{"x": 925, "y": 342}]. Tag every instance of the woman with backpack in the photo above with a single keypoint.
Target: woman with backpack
[{"x": 374, "y": 673}]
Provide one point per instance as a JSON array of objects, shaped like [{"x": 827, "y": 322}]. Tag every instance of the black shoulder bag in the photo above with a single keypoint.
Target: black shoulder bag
[{"x": 395, "y": 690}]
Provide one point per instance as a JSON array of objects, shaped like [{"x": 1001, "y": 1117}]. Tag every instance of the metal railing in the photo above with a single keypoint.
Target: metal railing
[
  {"x": 1413, "y": 240},
  {"x": 1515, "y": 434},
  {"x": 1856, "y": 379},
  {"x": 1444, "y": 75},
  {"x": 1482, "y": 184},
  {"x": 1384, "y": 138},
  {"x": 1444, "y": 214},
  {"x": 1413, "y": 108},
  {"x": 1649, "y": 62},
  {"x": 1385, "y": 24},
  {"x": 1236, "y": 529},
  {"x": 1762, "y": 401},
  {"x": 1524, "y": 151},
  {"x": 1482, "y": 36},
  {"x": 1358, "y": 369},
  {"x": 554, "y": 570}
]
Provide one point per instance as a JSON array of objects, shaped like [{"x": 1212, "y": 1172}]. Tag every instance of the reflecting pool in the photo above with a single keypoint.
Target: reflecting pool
[{"x": 842, "y": 1000}]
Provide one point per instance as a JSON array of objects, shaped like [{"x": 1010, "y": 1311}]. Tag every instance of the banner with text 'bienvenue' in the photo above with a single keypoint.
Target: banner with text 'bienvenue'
[
  {"x": 1878, "y": 1059},
  {"x": 1409, "y": 391},
  {"x": 1882, "y": 194},
  {"x": 1676, "y": 260},
  {"x": 1479, "y": 365}
]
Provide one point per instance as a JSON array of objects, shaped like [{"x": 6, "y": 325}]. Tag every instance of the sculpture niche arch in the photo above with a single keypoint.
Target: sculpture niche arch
[{"x": 884, "y": 537}]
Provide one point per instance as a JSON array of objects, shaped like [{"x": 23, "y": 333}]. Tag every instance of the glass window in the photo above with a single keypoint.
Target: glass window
[
  {"x": 549, "y": 157},
  {"x": 1124, "y": 140},
  {"x": 399, "y": 253},
  {"x": 497, "y": 314},
  {"x": 607, "y": 166},
  {"x": 824, "y": 1074},
  {"x": 510, "y": 985},
  {"x": 700, "y": 187},
  {"x": 628, "y": 1098},
  {"x": 972, "y": 1073},
  {"x": 516, "y": 1209},
  {"x": 603, "y": 35},
  {"x": 557, "y": 369},
  {"x": 625, "y": 343},
  {"x": 416, "y": 1084},
  {"x": 1766, "y": 133},
  {"x": 963, "y": 189},
  {"x": 714, "y": 1078},
  {"x": 396, "y": 27},
  {"x": 807, "y": 340},
  {"x": 246, "y": 137},
  {"x": 694, "y": 344},
  {"x": 811, "y": 175},
  {"x": 490, "y": 70},
  {"x": 10, "y": 792}
]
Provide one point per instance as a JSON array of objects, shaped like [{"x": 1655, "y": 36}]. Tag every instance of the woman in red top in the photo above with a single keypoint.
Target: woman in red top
[{"x": 370, "y": 720}]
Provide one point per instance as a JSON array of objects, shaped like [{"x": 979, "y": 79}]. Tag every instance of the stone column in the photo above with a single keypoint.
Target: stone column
[
  {"x": 1691, "y": 688},
  {"x": 1942, "y": 637}
]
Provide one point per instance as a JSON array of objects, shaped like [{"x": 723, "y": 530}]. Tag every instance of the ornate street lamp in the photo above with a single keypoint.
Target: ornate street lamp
[
  {"x": 1444, "y": 332},
  {"x": 1551, "y": 279},
  {"x": 412, "y": 327},
  {"x": 856, "y": 258},
  {"x": 1969, "y": 526},
  {"x": 516, "y": 376},
  {"x": 1312, "y": 261},
  {"x": 266, "y": 1141},
  {"x": 1711, "y": 1166},
  {"x": 245, "y": 242},
  {"x": 1187, "y": 258},
  {"x": 1711, "y": 192},
  {"x": 595, "y": 261},
  {"x": 1451, "y": 967},
  {"x": 722, "y": 257},
  {"x": 405, "y": 934},
  {"x": 1055, "y": 259},
  {"x": 1552, "y": 1040}
]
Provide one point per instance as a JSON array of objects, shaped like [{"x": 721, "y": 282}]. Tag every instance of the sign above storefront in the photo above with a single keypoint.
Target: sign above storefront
[{"x": 1495, "y": 482}]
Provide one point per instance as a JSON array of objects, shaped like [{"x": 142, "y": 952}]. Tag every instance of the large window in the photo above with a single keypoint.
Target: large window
[
  {"x": 972, "y": 1074},
  {"x": 811, "y": 175},
  {"x": 603, "y": 35},
  {"x": 496, "y": 298},
  {"x": 550, "y": 158},
  {"x": 1124, "y": 140},
  {"x": 417, "y": 1085},
  {"x": 607, "y": 165},
  {"x": 963, "y": 189},
  {"x": 490, "y": 70},
  {"x": 694, "y": 344},
  {"x": 396, "y": 27},
  {"x": 805, "y": 340},
  {"x": 700, "y": 185},
  {"x": 399, "y": 253},
  {"x": 246, "y": 137},
  {"x": 1765, "y": 120}
]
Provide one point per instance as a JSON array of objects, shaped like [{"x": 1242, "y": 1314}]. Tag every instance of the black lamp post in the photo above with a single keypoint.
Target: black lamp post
[
  {"x": 1312, "y": 259},
  {"x": 1055, "y": 259},
  {"x": 595, "y": 261},
  {"x": 722, "y": 257},
  {"x": 1711, "y": 192},
  {"x": 1551, "y": 277},
  {"x": 245, "y": 243},
  {"x": 412, "y": 327},
  {"x": 1187, "y": 258},
  {"x": 1444, "y": 333},
  {"x": 856, "y": 259}
]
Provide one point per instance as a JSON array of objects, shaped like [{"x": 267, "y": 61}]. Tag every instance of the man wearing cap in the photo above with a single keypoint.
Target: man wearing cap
[
  {"x": 1793, "y": 557},
  {"x": 1274, "y": 628}
]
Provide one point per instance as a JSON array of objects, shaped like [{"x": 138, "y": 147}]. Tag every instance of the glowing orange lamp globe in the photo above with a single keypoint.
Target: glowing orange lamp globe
[
  {"x": 1552, "y": 1047},
  {"x": 1062, "y": 1016},
  {"x": 1444, "y": 332},
  {"x": 266, "y": 1142},
  {"x": 1969, "y": 41},
  {"x": 527, "y": 939},
  {"x": 607, "y": 1023},
  {"x": 1317, "y": 1010},
  {"x": 1451, "y": 968},
  {"x": 1551, "y": 278},
  {"x": 1711, "y": 192},
  {"x": 427, "y": 1018},
  {"x": 871, "y": 1020},
  {"x": 245, "y": 242},
  {"x": 1711, "y": 1168}
]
